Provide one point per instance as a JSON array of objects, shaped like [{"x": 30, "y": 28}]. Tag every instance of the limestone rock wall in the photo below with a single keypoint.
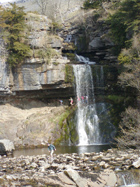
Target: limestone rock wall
[
  {"x": 4, "y": 76},
  {"x": 44, "y": 69},
  {"x": 4, "y": 69},
  {"x": 32, "y": 76}
]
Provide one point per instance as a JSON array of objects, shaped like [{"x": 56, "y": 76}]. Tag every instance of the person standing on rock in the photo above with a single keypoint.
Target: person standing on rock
[
  {"x": 61, "y": 102},
  {"x": 71, "y": 101},
  {"x": 51, "y": 149}
]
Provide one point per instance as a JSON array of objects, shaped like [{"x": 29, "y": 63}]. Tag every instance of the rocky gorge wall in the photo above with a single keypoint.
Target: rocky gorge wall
[
  {"x": 31, "y": 114},
  {"x": 37, "y": 73},
  {"x": 30, "y": 92},
  {"x": 89, "y": 33},
  {"x": 45, "y": 71}
]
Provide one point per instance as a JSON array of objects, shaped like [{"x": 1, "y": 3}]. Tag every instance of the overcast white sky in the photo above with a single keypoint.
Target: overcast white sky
[{"x": 5, "y": 1}]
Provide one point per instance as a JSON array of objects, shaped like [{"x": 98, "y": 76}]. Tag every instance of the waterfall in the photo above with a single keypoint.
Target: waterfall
[
  {"x": 103, "y": 108},
  {"x": 129, "y": 178},
  {"x": 100, "y": 77},
  {"x": 93, "y": 120},
  {"x": 100, "y": 84},
  {"x": 85, "y": 60},
  {"x": 124, "y": 180},
  {"x": 87, "y": 118}
]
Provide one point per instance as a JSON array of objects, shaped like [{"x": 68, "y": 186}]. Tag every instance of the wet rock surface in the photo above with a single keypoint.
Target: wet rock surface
[{"x": 68, "y": 169}]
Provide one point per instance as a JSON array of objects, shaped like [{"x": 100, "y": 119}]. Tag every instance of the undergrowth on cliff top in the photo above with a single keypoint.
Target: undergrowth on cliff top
[
  {"x": 92, "y": 3},
  {"x": 47, "y": 54},
  {"x": 12, "y": 23},
  {"x": 125, "y": 23}
]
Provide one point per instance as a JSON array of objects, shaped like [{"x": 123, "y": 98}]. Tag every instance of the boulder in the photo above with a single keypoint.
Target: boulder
[
  {"x": 74, "y": 175},
  {"x": 96, "y": 43},
  {"x": 136, "y": 164},
  {"x": 109, "y": 178},
  {"x": 66, "y": 180},
  {"x": 6, "y": 147},
  {"x": 56, "y": 42}
]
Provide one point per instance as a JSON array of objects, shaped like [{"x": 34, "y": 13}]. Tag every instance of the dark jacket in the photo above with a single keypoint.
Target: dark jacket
[{"x": 51, "y": 147}]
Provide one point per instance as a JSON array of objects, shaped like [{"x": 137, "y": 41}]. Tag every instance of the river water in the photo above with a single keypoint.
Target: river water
[{"x": 62, "y": 150}]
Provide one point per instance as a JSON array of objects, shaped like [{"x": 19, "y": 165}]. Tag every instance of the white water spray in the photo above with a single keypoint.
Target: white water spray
[
  {"x": 85, "y": 60},
  {"x": 90, "y": 129},
  {"x": 87, "y": 119}
]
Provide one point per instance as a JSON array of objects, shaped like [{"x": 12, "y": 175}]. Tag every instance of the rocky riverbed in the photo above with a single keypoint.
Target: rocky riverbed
[{"x": 84, "y": 170}]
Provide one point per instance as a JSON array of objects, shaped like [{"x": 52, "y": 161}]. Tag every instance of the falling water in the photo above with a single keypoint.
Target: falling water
[
  {"x": 124, "y": 180},
  {"x": 90, "y": 129},
  {"x": 85, "y": 60},
  {"x": 103, "y": 108},
  {"x": 87, "y": 119},
  {"x": 129, "y": 178},
  {"x": 100, "y": 77},
  {"x": 100, "y": 84}
]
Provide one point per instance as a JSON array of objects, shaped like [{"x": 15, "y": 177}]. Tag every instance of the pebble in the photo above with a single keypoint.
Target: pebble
[{"x": 25, "y": 167}]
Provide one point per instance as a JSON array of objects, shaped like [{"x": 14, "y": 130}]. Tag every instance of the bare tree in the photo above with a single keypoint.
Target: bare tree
[
  {"x": 130, "y": 124},
  {"x": 68, "y": 5},
  {"x": 59, "y": 7},
  {"x": 131, "y": 77},
  {"x": 42, "y": 5},
  {"x": 129, "y": 129},
  {"x": 54, "y": 9}
]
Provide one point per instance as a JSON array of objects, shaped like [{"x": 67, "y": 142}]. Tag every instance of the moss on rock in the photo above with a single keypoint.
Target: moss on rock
[
  {"x": 67, "y": 127},
  {"x": 69, "y": 76}
]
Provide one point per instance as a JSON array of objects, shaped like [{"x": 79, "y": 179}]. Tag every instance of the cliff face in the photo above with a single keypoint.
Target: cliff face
[
  {"x": 47, "y": 75},
  {"x": 88, "y": 30},
  {"x": 29, "y": 93},
  {"x": 37, "y": 72},
  {"x": 82, "y": 31}
]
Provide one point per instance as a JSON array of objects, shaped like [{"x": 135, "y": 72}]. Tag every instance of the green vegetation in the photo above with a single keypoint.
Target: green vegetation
[
  {"x": 67, "y": 128},
  {"x": 70, "y": 46},
  {"x": 70, "y": 56},
  {"x": 47, "y": 53},
  {"x": 124, "y": 23},
  {"x": 116, "y": 99},
  {"x": 118, "y": 32},
  {"x": 12, "y": 23},
  {"x": 124, "y": 58},
  {"x": 55, "y": 27},
  {"x": 92, "y": 3},
  {"x": 69, "y": 76},
  {"x": 123, "y": 19}
]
